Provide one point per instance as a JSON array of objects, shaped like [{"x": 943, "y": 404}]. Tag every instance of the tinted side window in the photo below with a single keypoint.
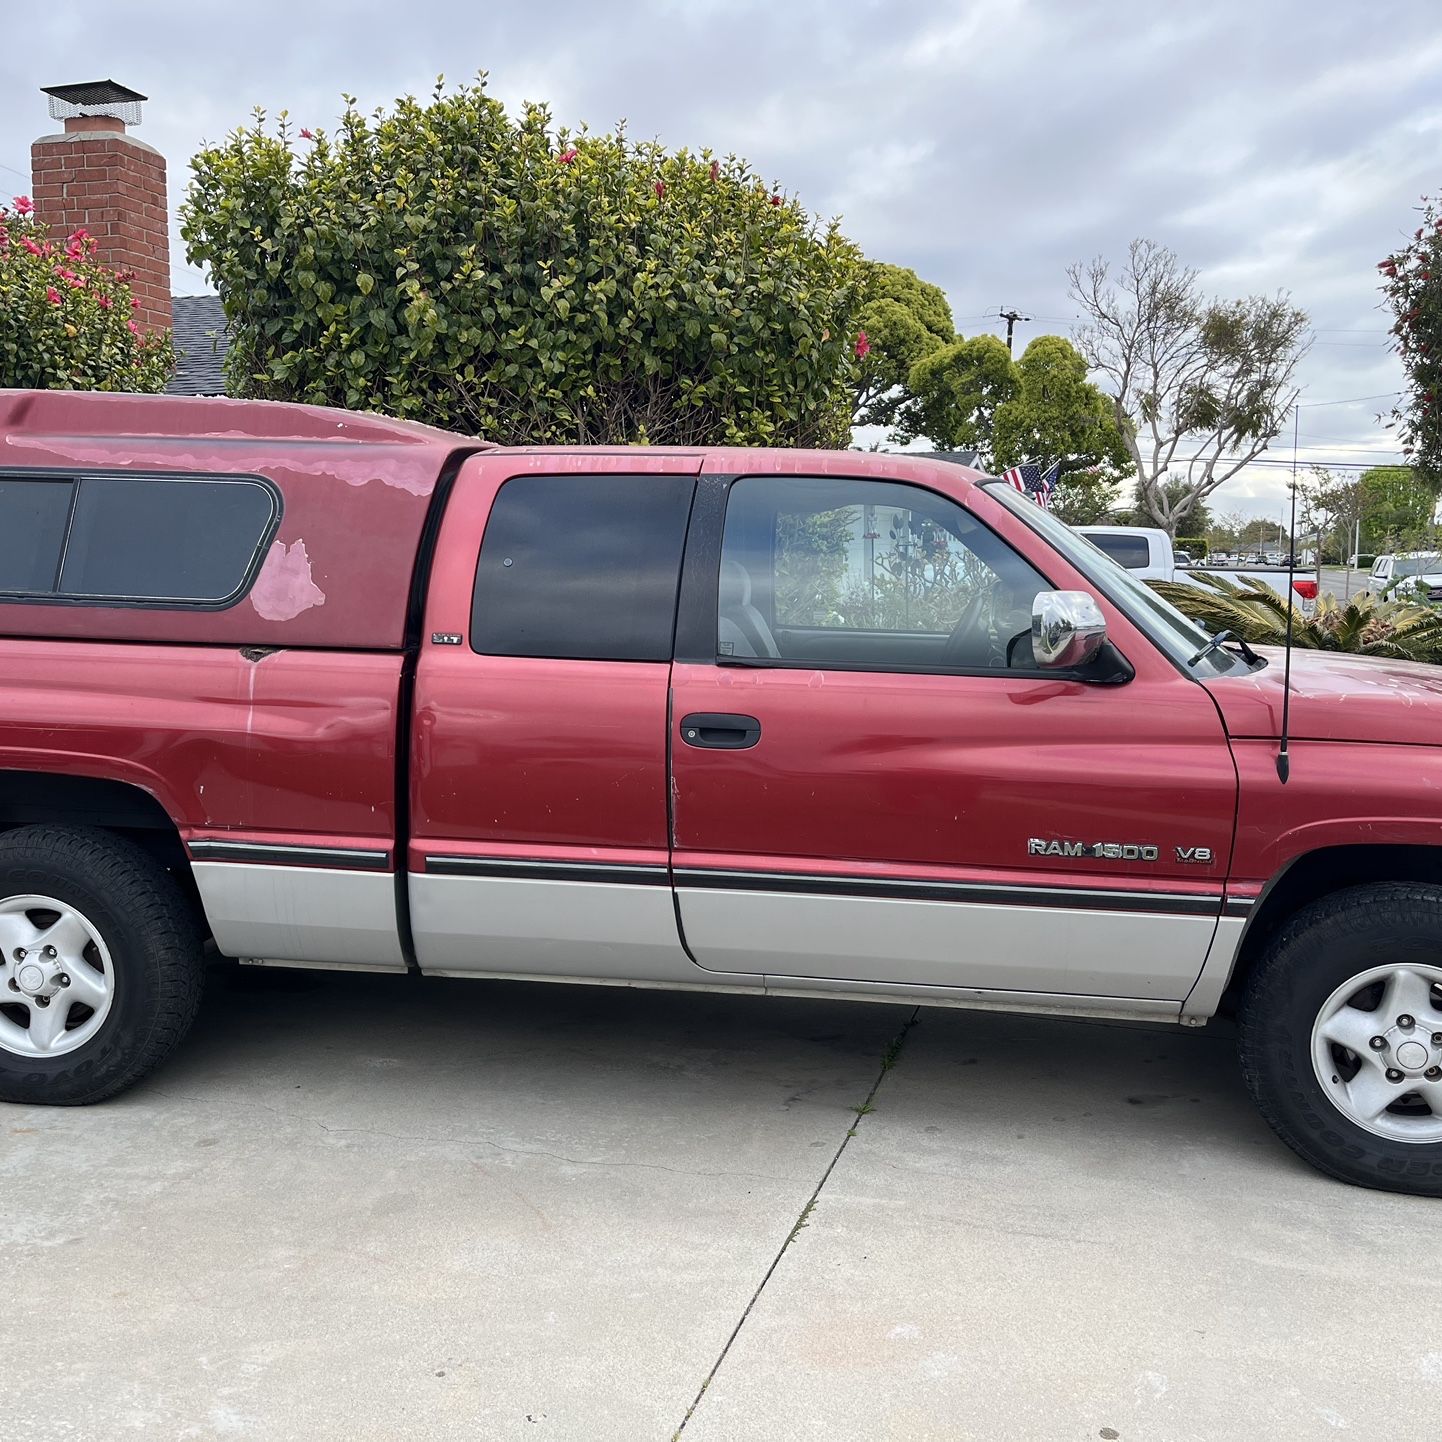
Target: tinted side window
[
  {"x": 152, "y": 539},
  {"x": 33, "y": 514},
  {"x": 582, "y": 567},
  {"x": 1128, "y": 551},
  {"x": 867, "y": 575}
]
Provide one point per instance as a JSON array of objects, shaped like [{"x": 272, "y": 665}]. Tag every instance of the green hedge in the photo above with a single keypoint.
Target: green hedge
[{"x": 446, "y": 262}]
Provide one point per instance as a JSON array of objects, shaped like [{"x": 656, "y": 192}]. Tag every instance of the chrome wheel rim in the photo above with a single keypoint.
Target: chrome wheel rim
[
  {"x": 1377, "y": 1052},
  {"x": 57, "y": 981}
]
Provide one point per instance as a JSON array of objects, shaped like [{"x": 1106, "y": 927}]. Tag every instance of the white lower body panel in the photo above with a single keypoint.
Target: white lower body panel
[
  {"x": 302, "y": 914},
  {"x": 977, "y": 946},
  {"x": 488, "y": 925}
]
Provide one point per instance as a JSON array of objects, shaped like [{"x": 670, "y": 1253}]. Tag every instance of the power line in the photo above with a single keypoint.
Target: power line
[
  {"x": 1349, "y": 400},
  {"x": 13, "y": 171}
]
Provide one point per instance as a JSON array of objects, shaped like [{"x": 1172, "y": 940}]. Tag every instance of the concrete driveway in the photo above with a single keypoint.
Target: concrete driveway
[{"x": 377, "y": 1208}]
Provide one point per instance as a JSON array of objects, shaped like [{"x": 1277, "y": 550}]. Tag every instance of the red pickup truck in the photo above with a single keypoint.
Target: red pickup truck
[{"x": 306, "y": 688}]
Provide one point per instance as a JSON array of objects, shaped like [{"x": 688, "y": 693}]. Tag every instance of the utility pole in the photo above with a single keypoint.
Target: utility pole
[{"x": 1010, "y": 317}]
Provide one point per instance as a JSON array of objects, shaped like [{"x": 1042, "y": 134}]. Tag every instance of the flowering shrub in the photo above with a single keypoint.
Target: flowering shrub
[
  {"x": 449, "y": 263},
  {"x": 1412, "y": 282},
  {"x": 66, "y": 321}
]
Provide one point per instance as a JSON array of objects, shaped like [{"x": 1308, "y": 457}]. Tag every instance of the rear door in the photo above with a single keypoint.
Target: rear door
[
  {"x": 872, "y": 781},
  {"x": 538, "y": 771}
]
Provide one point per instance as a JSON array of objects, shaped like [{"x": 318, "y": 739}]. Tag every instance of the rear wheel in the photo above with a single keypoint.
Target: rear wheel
[
  {"x": 1341, "y": 1036},
  {"x": 100, "y": 964}
]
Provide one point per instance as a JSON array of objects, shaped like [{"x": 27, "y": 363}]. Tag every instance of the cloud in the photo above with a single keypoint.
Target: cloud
[{"x": 987, "y": 143}]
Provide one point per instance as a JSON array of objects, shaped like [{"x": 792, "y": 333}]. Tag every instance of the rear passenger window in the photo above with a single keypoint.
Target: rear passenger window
[
  {"x": 1128, "y": 551},
  {"x": 33, "y": 515},
  {"x": 582, "y": 567},
  {"x": 164, "y": 540},
  {"x": 167, "y": 541}
]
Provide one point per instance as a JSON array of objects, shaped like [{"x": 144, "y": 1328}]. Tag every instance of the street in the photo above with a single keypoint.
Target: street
[{"x": 371, "y": 1207}]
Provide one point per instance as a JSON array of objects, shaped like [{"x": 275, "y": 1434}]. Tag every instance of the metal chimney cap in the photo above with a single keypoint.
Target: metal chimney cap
[{"x": 94, "y": 97}]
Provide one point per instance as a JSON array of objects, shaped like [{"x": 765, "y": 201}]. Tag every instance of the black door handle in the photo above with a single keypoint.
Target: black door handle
[{"x": 720, "y": 730}]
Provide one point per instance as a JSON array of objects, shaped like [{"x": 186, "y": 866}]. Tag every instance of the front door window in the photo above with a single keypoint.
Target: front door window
[{"x": 868, "y": 576}]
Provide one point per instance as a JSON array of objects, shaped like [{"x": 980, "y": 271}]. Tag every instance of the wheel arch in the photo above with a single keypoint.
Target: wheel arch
[
  {"x": 62, "y": 799},
  {"x": 1311, "y": 876}
]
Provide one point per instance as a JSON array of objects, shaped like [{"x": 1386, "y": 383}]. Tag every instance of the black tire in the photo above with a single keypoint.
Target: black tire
[
  {"x": 1320, "y": 948},
  {"x": 153, "y": 937}
]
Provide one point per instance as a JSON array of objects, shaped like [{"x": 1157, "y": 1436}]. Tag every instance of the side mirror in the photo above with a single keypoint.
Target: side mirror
[{"x": 1067, "y": 628}]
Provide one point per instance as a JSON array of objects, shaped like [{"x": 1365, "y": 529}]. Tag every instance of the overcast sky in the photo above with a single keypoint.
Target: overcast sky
[{"x": 1275, "y": 144}]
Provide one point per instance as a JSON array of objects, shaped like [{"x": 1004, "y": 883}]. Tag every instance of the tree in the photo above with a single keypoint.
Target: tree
[
  {"x": 1192, "y": 517},
  {"x": 1225, "y": 530},
  {"x": 1198, "y": 387},
  {"x": 65, "y": 319},
  {"x": 1396, "y": 506},
  {"x": 1412, "y": 283},
  {"x": 445, "y": 262},
  {"x": 955, "y": 392},
  {"x": 1337, "y": 505},
  {"x": 1263, "y": 534},
  {"x": 903, "y": 319},
  {"x": 972, "y": 395},
  {"x": 1056, "y": 414}
]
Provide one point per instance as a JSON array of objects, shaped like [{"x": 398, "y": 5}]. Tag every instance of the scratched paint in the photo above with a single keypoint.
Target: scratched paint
[{"x": 285, "y": 586}]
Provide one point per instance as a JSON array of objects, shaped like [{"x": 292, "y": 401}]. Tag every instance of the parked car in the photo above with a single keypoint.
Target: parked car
[
  {"x": 333, "y": 690},
  {"x": 1408, "y": 571},
  {"x": 1145, "y": 551},
  {"x": 1148, "y": 554}
]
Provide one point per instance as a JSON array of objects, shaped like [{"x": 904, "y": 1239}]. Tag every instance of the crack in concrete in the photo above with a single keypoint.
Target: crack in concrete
[{"x": 889, "y": 1058}]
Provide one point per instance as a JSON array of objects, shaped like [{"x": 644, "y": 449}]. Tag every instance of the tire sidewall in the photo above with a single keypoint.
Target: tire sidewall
[
  {"x": 1312, "y": 959},
  {"x": 135, "y": 980}
]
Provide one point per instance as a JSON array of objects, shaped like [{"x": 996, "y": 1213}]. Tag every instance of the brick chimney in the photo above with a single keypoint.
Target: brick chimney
[{"x": 97, "y": 176}]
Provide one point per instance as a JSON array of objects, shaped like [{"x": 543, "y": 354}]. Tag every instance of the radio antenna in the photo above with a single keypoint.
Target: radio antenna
[{"x": 1284, "y": 759}]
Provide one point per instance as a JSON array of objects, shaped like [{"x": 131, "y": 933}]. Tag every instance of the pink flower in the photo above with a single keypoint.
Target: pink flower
[
  {"x": 660, "y": 188},
  {"x": 307, "y": 134},
  {"x": 24, "y": 205},
  {"x": 104, "y": 302},
  {"x": 863, "y": 346},
  {"x": 132, "y": 327},
  {"x": 135, "y": 302},
  {"x": 567, "y": 156},
  {"x": 715, "y": 170},
  {"x": 30, "y": 245},
  {"x": 52, "y": 295},
  {"x": 775, "y": 200}
]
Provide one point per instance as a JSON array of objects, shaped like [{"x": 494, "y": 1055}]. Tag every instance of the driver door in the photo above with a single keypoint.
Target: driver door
[{"x": 865, "y": 757}]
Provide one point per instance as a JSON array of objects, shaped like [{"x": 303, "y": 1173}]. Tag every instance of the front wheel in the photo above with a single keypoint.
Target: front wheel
[
  {"x": 100, "y": 964},
  {"x": 1341, "y": 1036}
]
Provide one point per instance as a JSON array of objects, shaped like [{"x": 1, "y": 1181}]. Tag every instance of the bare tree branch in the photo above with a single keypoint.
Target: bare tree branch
[{"x": 1206, "y": 380}]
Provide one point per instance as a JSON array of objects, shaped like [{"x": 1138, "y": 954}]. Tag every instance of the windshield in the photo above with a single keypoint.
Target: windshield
[
  {"x": 1417, "y": 565},
  {"x": 1178, "y": 635}
]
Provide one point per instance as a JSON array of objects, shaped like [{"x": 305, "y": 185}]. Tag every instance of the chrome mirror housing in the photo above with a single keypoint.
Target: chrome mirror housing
[{"x": 1067, "y": 628}]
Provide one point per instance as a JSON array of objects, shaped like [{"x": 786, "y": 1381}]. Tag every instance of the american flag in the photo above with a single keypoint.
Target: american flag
[
  {"x": 1023, "y": 478},
  {"x": 1047, "y": 484},
  {"x": 1032, "y": 481}
]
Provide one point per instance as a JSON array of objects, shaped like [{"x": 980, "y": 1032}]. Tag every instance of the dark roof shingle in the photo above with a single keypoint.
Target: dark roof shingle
[{"x": 200, "y": 345}]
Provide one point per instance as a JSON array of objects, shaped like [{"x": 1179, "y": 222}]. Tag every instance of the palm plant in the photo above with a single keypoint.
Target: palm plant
[{"x": 1365, "y": 625}]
